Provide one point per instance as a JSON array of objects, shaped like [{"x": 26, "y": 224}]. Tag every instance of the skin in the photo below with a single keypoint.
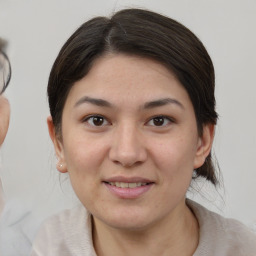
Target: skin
[
  {"x": 4, "y": 124},
  {"x": 5, "y": 116},
  {"x": 131, "y": 142}
]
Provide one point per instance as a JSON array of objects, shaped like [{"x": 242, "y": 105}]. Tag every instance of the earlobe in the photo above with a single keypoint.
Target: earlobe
[
  {"x": 204, "y": 145},
  {"x": 61, "y": 164},
  {"x": 61, "y": 167}
]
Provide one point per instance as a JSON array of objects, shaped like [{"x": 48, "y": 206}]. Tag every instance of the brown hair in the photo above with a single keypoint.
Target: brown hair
[{"x": 146, "y": 34}]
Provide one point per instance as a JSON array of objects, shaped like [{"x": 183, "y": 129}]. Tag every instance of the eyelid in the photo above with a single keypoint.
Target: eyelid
[
  {"x": 88, "y": 117},
  {"x": 170, "y": 120}
]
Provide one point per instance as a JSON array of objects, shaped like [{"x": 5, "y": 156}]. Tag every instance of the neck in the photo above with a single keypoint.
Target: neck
[{"x": 166, "y": 237}]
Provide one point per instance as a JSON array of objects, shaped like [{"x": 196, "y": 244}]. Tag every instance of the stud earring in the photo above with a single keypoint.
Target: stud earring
[{"x": 61, "y": 167}]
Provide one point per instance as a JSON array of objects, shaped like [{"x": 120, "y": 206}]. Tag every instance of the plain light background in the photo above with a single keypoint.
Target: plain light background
[{"x": 36, "y": 30}]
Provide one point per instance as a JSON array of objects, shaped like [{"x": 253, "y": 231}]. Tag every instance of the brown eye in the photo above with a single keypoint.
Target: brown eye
[
  {"x": 159, "y": 121},
  {"x": 96, "y": 121}
]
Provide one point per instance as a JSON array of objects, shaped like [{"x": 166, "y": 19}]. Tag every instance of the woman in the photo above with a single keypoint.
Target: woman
[
  {"x": 15, "y": 220},
  {"x": 132, "y": 121},
  {"x": 5, "y": 75}
]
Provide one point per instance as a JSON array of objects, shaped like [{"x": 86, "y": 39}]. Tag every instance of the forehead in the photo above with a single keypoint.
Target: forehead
[{"x": 121, "y": 78}]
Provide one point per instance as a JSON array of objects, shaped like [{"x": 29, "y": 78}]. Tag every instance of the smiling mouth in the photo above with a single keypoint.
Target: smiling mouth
[{"x": 127, "y": 185}]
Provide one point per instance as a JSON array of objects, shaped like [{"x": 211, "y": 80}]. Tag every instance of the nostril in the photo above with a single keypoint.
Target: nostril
[{"x": 126, "y": 148}]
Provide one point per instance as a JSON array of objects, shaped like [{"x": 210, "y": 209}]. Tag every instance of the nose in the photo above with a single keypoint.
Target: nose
[{"x": 127, "y": 147}]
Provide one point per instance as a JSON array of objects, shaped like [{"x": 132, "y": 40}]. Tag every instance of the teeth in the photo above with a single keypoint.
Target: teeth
[
  {"x": 127, "y": 185},
  {"x": 132, "y": 185},
  {"x": 124, "y": 185}
]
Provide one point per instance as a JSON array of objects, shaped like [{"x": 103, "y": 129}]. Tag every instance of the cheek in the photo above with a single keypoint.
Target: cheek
[
  {"x": 84, "y": 152},
  {"x": 178, "y": 151},
  {"x": 175, "y": 158},
  {"x": 84, "y": 160}
]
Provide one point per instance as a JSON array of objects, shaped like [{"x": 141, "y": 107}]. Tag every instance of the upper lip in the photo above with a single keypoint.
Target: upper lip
[{"x": 128, "y": 179}]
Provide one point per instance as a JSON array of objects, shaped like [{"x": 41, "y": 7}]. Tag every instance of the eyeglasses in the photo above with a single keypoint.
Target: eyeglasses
[{"x": 5, "y": 71}]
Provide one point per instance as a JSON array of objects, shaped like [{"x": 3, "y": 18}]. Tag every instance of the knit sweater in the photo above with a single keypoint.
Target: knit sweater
[{"x": 69, "y": 234}]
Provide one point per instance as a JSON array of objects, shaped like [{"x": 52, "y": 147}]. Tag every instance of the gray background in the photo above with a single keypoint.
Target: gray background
[{"x": 37, "y": 29}]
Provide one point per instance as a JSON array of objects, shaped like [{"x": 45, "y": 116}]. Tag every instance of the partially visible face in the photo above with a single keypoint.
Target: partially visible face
[
  {"x": 4, "y": 117},
  {"x": 129, "y": 141},
  {"x": 4, "y": 124}
]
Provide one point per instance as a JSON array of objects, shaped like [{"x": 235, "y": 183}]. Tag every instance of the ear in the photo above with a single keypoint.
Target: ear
[
  {"x": 58, "y": 146},
  {"x": 204, "y": 145}
]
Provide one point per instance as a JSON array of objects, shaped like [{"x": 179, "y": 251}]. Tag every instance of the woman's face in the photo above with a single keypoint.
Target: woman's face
[{"x": 130, "y": 141}]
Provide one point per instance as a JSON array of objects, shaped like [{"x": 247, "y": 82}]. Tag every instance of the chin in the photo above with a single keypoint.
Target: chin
[{"x": 129, "y": 220}]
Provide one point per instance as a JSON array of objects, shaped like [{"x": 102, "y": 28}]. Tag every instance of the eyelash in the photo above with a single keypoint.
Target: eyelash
[
  {"x": 164, "y": 118},
  {"x": 164, "y": 121},
  {"x": 92, "y": 119}
]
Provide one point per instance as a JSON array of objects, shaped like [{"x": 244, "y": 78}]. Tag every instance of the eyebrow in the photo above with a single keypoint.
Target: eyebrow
[
  {"x": 162, "y": 102},
  {"x": 147, "y": 105},
  {"x": 94, "y": 101}
]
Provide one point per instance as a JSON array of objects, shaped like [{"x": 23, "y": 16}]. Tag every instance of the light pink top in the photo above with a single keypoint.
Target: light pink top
[{"x": 69, "y": 234}]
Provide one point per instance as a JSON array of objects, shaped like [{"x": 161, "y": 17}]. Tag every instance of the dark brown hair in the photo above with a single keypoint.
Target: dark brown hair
[{"x": 146, "y": 34}]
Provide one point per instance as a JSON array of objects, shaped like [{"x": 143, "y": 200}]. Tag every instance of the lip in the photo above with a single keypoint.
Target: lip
[
  {"x": 128, "y": 193},
  {"x": 128, "y": 179}
]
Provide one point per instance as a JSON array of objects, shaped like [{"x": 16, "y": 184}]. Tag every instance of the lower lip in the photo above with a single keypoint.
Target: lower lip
[{"x": 129, "y": 193}]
